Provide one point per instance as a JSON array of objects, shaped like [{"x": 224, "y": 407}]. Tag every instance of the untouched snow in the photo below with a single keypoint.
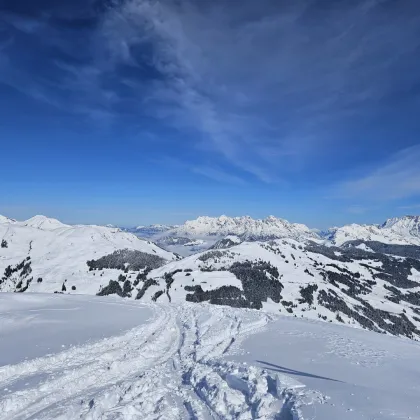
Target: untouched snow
[
  {"x": 33, "y": 325},
  {"x": 197, "y": 362}
]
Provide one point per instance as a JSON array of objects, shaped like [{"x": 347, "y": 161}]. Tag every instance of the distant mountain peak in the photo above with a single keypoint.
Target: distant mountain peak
[
  {"x": 4, "y": 219},
  {"x": 44, "y": 223},
  {"x": 397, "y": 230},
  {"x": 243, "y": 226},
  {"x": 408, "y": 219}
]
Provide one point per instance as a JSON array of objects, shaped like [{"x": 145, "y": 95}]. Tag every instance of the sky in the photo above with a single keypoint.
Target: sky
[{"x": 157, "y": 111}]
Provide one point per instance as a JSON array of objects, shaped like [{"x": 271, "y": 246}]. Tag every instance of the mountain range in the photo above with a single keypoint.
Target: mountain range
[
  {"x": 205, "y": 232},
  {"x": 370, "y": 281}
]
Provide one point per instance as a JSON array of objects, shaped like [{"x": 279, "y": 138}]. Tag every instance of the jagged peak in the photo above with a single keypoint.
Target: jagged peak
[
  {"x": 403, "y": 219},
  {"x": 244, "y": 226}
]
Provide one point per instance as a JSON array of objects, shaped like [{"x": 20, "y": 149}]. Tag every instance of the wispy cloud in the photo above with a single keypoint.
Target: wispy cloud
[
  {"x": 265, "y": 87},
  {"x": 410, "y": 207},
  {"x": 212, "y": 172},
  {"x": 356, "y": 209},
  {"x": 276, "y": 77},
  {"x": 217, "y": 174},
  {"x": 397, "y": 178}
]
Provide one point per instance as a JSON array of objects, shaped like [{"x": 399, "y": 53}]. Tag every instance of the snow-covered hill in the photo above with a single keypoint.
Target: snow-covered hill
[
  {"x": 45, "y": 255},
  {"x": 398, "y": 230},
  {"x": 350, "y": 285}
]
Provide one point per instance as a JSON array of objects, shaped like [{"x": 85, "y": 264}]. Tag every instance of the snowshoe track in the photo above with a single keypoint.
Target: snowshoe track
[{"x": 170, "y": 368}]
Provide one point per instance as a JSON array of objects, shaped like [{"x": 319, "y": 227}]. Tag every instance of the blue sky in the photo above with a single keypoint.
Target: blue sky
[{"x": 144, "y": 111}]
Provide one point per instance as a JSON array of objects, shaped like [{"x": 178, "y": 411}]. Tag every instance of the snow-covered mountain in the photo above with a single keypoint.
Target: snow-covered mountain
[
  {"x": 408, "y": 226},
  {"x": 246, "y": 227},
  {"x": 398, "y": 230},
  {"x": 45, "y": 255},
  {"x": 204, "y": 232}
]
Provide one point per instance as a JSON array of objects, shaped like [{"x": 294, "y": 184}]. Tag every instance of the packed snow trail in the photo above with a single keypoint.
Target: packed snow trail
[{"x": 173, "y": 367}]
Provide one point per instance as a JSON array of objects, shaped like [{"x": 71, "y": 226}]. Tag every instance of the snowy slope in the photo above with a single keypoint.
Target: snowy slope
[
  {"x": 42, "y": 248},
  {"x": 4, "y": 219},
  {"x": 398, "y": 230},
  {"x": 360, "y": 288},
  {"x": 195, "y": 362},
  {"x": 227, "y": 242},
  {"x": 348, "y": 374}
]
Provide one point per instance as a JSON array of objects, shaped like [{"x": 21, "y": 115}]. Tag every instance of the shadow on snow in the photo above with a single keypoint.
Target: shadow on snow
[{"x": 287, "y": 371}]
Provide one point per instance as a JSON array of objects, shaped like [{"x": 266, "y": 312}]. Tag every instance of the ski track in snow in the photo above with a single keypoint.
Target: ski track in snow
[{"x": 172, "y": 367}]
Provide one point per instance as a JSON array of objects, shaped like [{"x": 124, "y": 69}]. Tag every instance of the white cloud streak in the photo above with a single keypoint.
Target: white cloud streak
[
  {"x": 410, "y": 207},
  {"x": 265, "y": 86},
  {"x": 397, "y": 178},
  {"x": 216, "y": 174}
]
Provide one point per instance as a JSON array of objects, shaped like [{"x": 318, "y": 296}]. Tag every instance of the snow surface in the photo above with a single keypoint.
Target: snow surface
[
  {"x": 193, "y": 361},
  {"x": 356, "y": 374},
  {"x": 33, "y": 325}
]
